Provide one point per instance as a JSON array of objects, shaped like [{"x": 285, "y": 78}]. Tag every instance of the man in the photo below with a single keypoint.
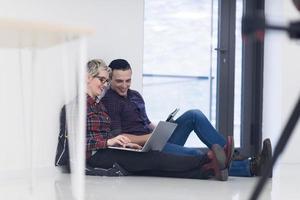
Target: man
[{"x": 126, "y": 108}]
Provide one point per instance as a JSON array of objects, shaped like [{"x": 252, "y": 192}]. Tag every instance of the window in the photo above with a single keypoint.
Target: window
[
  {"x": 179, "y": 60},
  {"x": 194, "y": 58}
]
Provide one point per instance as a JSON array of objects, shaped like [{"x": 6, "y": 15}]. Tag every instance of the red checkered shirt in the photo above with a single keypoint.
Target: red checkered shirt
[{"x": 97, "y": 126}]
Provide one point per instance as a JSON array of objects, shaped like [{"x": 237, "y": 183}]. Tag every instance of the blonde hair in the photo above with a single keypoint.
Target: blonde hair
[{"x": 94, "y": 65}]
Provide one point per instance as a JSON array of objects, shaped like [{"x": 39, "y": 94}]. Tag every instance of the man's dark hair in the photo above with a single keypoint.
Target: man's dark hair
[{"x": 119, "y": 64}]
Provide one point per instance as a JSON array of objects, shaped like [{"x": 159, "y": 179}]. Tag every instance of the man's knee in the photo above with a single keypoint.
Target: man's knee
[
  {"x": 193, "y": 115},
  {"x": 196, "y": 113}
]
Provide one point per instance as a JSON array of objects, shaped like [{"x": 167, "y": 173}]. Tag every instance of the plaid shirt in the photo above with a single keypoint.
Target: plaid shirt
[
  {"x": 97, "y": 126},
  {"x": 128, "y": 114}
]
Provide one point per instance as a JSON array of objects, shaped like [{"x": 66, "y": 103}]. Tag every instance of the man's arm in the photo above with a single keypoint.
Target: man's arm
[
  {"x": 151, "y": 126},
  {"x": 138, "y": 139},
  {"x": 114, "y": 109}
]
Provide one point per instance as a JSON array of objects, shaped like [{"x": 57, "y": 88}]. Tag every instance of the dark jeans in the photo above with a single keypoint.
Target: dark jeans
[{"x": 151, "y": 163}]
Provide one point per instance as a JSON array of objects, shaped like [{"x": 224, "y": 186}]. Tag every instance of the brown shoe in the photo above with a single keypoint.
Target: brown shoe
[
  {"x": 229, "y": 150},
  {"x": 259, "y": 163},
  {"x": 217, "y": 163}
]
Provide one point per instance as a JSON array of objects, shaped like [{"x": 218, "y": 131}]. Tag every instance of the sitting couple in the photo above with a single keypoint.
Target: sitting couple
[
  {"x": 128, "y": 115},
  {"x": 120, "y": 119}
]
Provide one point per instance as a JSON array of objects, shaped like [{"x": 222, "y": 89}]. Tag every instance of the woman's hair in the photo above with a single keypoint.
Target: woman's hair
[{"x": 94, "y": 65}]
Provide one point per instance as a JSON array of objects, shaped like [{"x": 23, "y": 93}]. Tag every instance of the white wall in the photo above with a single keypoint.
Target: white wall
[
  {"x": 119, "y": 34},
  {"x": 118, "y": 25},
  {"x": 281, "y": 78}
]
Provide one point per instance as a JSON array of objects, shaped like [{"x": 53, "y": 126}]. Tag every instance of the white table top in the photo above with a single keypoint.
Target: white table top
[{"x": 16, "y": 33}]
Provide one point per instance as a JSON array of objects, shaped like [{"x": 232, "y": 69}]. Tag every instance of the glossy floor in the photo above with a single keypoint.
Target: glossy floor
[{"x": 284, "y": 185}]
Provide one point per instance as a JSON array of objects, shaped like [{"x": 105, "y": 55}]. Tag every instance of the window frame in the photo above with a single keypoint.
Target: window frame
[{"x": 252, "y": 78}]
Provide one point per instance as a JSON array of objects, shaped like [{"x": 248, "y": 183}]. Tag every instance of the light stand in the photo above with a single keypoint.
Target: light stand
[
  {"x": 256, "y": 24},
  {"x": 284, "y": 138}
]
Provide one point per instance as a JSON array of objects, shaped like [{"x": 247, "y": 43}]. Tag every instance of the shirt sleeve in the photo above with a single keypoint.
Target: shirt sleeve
[
  {"x": 95, "y": 139},
  {"x": 142, "y": 108},
  {"x": 114, "y": 109}
]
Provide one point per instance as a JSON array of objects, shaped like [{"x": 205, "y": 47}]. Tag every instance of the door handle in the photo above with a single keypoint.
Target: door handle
[{"x": 220, "y": 50}]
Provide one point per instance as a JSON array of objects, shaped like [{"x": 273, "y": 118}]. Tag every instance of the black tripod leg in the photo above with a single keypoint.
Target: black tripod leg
[{"x": 287, "y": 132}]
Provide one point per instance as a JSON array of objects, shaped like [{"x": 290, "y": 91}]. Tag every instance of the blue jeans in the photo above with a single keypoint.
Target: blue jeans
[{"x": 195, "y": 120}]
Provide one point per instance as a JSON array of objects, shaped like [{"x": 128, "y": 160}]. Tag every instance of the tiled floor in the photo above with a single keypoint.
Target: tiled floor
[{"x": 284, "y": 185}]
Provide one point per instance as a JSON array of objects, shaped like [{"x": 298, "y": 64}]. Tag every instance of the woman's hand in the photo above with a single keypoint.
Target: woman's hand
[
  {"x": 119, "y": 140},
  {"x": 133, "y": 146}
]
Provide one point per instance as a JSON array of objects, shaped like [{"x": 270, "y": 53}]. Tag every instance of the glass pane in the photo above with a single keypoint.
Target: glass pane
[
  {"x": 179, "y": 62},
  {"x": 238, "y": 74}
]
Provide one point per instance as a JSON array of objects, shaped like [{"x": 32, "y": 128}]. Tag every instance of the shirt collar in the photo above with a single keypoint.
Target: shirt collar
[{"x": 92, "y": 101}]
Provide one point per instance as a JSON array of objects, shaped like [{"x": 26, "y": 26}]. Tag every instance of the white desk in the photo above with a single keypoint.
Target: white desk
[
  {"x": 20, "y": 33},
  {"x": 32, "y": 35}
]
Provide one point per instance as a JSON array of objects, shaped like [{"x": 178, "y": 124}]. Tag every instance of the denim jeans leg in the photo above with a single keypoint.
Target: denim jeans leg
[
  {"x": 240, "y": 168},
  {"x": 195, "y": 120},
  {"x": 180, "y": 150}
]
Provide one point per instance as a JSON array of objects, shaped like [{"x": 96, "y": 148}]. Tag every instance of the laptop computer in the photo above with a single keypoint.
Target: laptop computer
[{"x": 157, "y": 140}]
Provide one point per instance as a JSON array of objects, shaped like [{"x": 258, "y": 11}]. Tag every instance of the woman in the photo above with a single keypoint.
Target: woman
[{"x": 213, "y": 164}]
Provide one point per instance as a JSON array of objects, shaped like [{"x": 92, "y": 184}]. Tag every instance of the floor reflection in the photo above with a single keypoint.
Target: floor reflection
[{"x": 58, "y": 187}]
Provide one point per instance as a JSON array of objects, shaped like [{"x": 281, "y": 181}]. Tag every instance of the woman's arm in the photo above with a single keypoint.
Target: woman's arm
[
  {"x": 137, "y": 139},
  {"x": 119, "y": 140},
  {"x": 95, "y": 141}
]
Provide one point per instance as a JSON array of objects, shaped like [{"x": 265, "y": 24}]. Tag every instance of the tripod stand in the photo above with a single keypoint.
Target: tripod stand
[
  {"x": 255, "y": 24},
  {"x": 284, "y": 138}
]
